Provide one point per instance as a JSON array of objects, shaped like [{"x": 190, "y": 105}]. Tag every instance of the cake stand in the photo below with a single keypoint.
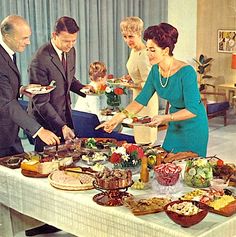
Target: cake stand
[{"x": 111, "y": 197}]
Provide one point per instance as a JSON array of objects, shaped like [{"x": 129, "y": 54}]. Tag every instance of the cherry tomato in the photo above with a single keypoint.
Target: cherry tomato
[{"x": 220, "y": 162}]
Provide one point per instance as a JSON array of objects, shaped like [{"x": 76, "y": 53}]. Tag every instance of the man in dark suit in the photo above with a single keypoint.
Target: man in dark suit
[
  {"x": 55, "y": 61},
  {"x": 14, "y": 37}
]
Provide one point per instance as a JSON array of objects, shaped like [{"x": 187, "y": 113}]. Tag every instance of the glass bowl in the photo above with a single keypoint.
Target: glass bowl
[
  {"x": 198, "y": 173},
  {"x": 167, "y": 174}
]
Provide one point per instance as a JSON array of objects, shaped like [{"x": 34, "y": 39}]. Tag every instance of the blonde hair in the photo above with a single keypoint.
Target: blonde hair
[
  {"x": 132, "y": 24},
  {"x": 97, "y": 70}
]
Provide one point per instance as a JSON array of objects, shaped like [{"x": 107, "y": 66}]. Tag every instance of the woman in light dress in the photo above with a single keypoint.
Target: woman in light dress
[
  {"x": 93, "y": 102},
  {"x": 138, "y": 67}
]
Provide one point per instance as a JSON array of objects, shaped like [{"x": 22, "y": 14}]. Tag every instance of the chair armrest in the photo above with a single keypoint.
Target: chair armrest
[
  {"x": 213, "y": 93},
  {"x": 210, "y": 85},
  {"x": 216, "y": 94}
]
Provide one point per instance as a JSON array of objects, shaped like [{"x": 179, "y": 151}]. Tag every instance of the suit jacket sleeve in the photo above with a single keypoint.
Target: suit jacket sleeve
[
  {"x": 38, "y": 74},
  {"x": 11, "y": 110},
  {"x": 76, "y": 86}
]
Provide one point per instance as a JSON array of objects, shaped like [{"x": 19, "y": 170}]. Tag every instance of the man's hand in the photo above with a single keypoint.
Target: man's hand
[
  {"x": 48, "y": 137},
  {"x": 67, "y": 132},
  {"x": 91, "y": 88}
]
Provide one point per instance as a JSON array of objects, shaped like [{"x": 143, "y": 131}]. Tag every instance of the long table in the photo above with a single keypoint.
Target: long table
[{"x": 75, "y": 212}]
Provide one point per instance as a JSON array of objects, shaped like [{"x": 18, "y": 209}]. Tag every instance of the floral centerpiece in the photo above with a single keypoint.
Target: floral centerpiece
[
  {"x": 113, "y": 95},
  {"x": 101, "y": 89},
  {"x": 126, "y": 156}
]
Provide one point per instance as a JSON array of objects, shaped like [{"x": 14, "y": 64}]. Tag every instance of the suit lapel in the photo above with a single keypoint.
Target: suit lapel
[
  {"x": 14, "y": 67},
  {"x": 56, "y": 61},
  {"x": 9, "y": 61}
]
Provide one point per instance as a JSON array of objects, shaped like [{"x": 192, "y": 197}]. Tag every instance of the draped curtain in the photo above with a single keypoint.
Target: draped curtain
[{"x": 99, "y": 37}]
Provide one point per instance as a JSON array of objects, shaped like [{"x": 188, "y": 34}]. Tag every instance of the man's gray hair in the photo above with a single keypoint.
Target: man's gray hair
[{"x": 8, "y": 23}]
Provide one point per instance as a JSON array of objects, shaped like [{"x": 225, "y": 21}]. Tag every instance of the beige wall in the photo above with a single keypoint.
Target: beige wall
[
  {"x": 214, "y": 15},
  {"x": 183, "y": 15}
]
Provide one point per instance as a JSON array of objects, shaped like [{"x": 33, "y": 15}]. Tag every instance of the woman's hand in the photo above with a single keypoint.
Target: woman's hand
[
  {"x": 110, "y": 125},
  {"x": 157, "y": 120}
]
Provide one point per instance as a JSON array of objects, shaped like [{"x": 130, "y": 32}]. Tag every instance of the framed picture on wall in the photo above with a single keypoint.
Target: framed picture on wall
[{"x": 226, "y": 41}]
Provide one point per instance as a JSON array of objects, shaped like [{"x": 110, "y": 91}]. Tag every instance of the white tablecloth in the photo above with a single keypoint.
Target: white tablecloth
[{"x": 76, "y": 212}]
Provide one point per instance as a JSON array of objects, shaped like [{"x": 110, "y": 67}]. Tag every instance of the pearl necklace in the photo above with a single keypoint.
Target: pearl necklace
[{"x": 168, "y": 75}]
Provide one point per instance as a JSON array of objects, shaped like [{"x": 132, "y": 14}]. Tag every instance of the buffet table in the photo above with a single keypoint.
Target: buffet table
[{"x": 76, "y": 212}]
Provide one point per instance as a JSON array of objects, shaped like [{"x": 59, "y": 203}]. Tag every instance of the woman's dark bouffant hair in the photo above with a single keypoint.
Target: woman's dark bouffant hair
[
  {"x": 67, "y": 24},
  {"x": 164, "y": 35}
]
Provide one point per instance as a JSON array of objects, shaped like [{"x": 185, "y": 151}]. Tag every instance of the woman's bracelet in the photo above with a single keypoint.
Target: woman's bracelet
[
  {"x": 171, "y": 117},
  {"x": 125, "y": 112}
]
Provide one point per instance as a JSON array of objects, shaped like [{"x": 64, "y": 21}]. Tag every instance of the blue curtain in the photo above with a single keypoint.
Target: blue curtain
[{"x": 99, "y": 37}]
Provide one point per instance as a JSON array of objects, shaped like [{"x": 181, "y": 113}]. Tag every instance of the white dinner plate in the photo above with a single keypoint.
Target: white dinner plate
[{"x": 37, "y": 90}]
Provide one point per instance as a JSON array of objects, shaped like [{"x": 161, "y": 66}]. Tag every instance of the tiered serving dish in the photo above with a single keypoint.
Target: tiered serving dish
[{"x": 111, "y": 197}]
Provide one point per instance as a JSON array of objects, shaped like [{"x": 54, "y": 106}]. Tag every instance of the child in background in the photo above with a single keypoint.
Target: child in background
[
  {"x": 94, "y": 102},
  {"x": 98, "y": 76}
]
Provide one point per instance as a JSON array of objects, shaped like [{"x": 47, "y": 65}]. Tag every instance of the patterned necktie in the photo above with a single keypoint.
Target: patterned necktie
[{"x": 63, "y": 61}]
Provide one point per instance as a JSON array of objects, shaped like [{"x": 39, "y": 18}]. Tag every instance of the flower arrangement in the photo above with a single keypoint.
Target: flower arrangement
[
  {"x": 100, "y": 89},
  {"x": 113, "y": 95},
  {"x": 127, "y": 155}
]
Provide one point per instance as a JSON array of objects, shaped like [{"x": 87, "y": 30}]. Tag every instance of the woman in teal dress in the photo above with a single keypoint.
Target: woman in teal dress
[{"x": 176, "y": 82}]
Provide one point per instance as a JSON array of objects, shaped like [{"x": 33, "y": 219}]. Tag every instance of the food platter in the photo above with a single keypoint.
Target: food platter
[
  {"x": 121, "y": 82},
  {"x": 109, "y": 111},
  {"x": 87, "y": 91},
  {"x": 38, "y": 89},
  {"x": 92, "y": 158},
  {"x": 33, "y": 174},
  {"x": 98, "y": 144},
  {"x": 78, "y": 182},
  {"x": 202, "y": 194},
  {"x": 12, "y": 162},
  {"x": 142, "y": 205},
  {"x": 141, "y": 121},
  {"x": 228, "y": 210}
]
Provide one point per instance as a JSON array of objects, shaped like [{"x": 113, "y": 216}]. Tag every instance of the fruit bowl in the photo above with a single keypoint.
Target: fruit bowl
[{"x": 186, "y": 213}]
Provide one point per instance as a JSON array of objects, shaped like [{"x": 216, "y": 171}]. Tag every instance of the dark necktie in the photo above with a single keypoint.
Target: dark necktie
[
  {"x": 14, "y": 59},
  {"x": 63, "y": 61}
]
